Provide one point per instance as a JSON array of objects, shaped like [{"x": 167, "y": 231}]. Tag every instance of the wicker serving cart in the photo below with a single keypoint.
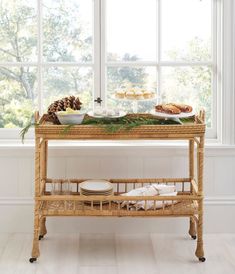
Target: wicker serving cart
[{"x": 187, "y": 203}]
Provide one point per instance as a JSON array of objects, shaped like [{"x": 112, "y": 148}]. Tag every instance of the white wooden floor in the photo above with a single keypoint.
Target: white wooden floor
[{"x": 119, "y": 253}]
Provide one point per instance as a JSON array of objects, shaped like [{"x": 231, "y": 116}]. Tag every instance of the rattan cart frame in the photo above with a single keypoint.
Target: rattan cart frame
[{"x": 188, "y": 202}]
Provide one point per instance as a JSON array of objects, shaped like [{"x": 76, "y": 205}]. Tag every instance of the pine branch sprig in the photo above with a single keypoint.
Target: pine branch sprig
[{"x": 25, "y": 130}]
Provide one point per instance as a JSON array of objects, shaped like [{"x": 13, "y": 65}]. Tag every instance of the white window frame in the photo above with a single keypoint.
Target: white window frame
[
  {"x": 214, "y": 64},
  {"x": 223, "y": 11},
  {"x": 40, "y": 65}
]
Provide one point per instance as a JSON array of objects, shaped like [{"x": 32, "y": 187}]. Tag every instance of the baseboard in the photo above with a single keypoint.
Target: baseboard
[
  {"x": 16, "y": 201},
  {"x": 220, "y": 200},
  {"x": 17, "y": 216}
]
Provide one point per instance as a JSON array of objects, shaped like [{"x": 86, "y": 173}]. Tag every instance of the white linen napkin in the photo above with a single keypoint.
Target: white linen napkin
[
  {"x": 159, "y": 204},
  {"x": 150, "y": 190}
]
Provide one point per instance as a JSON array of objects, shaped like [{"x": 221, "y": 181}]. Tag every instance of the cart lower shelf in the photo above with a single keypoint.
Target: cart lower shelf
[
  {"x": 184, "y": 204},
  {"x": 62, "y": 197},
  {"x": 78, "y": 208}
]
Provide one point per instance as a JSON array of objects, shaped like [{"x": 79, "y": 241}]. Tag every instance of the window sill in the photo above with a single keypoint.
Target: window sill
[
  {"x": 113, "y": 148},
  {"x": 28, "y": 143}
]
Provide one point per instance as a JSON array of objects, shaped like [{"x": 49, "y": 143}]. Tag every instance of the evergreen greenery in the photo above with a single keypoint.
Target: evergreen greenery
[{"x": 114, "y": 125}]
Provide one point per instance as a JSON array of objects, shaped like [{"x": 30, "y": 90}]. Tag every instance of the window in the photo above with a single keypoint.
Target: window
[
  {"x": 91, "y": 48},
  {"x": 46, "y": 52},
  {"x": 165, "y": 46}
]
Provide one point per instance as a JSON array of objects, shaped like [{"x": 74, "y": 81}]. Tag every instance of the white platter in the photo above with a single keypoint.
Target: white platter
[
  {"x": 96, "y": 186},
  {"x": 133, "y": 100},
  {"x": 82, "y": 192},
  {"x": 165, "y": 115},
  {"x": 121, "y": 114}
]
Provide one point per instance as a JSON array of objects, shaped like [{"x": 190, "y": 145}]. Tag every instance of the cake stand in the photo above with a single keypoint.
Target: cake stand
[{"x": 134, "y": 102}]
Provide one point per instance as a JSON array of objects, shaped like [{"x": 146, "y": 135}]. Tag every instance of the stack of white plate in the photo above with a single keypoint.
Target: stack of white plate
[{"x": 96, "y": 187}]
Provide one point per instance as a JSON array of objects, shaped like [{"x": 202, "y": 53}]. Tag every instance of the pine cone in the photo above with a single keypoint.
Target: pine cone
[{"x": 61, "y": 105}]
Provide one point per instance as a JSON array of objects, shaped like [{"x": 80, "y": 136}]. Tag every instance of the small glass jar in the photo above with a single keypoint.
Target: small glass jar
[
  {"x": 56, "y": 187},
  {"x": 66, "y": 187}
]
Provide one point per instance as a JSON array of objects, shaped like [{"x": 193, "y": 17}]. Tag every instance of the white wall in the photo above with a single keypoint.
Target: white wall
[{"x": 17, "y": 173}]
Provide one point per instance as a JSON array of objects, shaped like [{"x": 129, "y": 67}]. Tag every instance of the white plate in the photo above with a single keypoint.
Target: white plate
[
  {"x": 82, "y": 192},
  {"x": 121, "y": 114},
  {"x": 96, "y": 185},
  {"x": 165, "y": 115},
  {"x": 92, "y": 192},
  {"x": 133, "y": 100}
]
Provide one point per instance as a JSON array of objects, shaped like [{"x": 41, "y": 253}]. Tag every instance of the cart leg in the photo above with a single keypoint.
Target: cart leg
[
  {"x": 200, "y": 157},
  {"x": 43, "y": 229},
  {"x": 35, "y": 250},
  {"x": 192, "y": 229},
  {"x": 199, "y": 251},
  {"x": 43, "y": 175}
]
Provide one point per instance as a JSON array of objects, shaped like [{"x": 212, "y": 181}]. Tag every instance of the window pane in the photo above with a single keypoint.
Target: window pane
[
  {"x": 67, "y": 30},
  {"x": 61, "y": 82},
  {"x": 18, "y": 30},
  {"x": 131, "y": 30},
  {"x": 186, "y": 30},
  {"x": 128, "y": 77},
  {"x": 18, "y": 96},
  {"x": 190, "y": 85}
]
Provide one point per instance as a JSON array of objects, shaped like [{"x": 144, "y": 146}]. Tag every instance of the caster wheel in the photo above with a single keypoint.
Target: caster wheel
[
  {"x": 194, "y": 237},
  {"x": 32, "y": 260},
  {"x": 202, "y": 259},
  {"x": 40, "y": 237}
]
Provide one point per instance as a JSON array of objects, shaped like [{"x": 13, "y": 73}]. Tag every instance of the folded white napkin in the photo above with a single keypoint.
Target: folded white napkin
[
  {"x": 150, "y": 190},
  {"x": 158, "y": 204}
]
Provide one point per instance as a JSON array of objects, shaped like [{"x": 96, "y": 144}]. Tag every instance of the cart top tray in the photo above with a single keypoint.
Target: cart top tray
[{"x": 187, "y": 130}]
